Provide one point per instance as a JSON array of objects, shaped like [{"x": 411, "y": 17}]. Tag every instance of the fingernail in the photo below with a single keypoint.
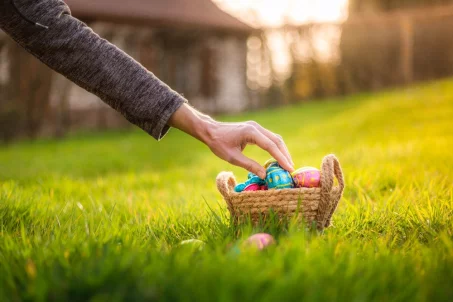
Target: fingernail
[{"x": 262, "y": 175}]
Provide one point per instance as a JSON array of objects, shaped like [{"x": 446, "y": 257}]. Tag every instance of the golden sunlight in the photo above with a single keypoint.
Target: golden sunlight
[
  {"x": 271, "y": 15},
  {"x": 274, "y": 13}
]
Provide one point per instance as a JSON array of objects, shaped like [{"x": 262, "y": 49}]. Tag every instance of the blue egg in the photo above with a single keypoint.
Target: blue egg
[{"x": 278, "y": 178}]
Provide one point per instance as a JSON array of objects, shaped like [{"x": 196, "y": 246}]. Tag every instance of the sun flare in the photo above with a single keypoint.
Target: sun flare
[{"x": 276, "y": 13}]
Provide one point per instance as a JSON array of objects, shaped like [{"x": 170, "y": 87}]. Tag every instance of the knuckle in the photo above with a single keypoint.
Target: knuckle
[
  {"x": 279, "y": 141},
  {"x": 269, "y": 146},
  {"x": 252, "y": 123},
  {"x": 250, "y": 167},
  {"x": 249, "y": 129}
]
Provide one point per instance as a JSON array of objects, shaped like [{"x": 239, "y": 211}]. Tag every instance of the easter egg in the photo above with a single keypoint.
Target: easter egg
[
  {"x": 307, "y": 177},
  {"x": 193, "y": 244},
  {"x": 253, "y": 179},
  {"x": 253, "y": 187},
  {"x": 278, "y": 178},
  {"x": 240, "y": 187},
  {"x": 270, "y": 162},
  {"x": 251, "y": 175},
  {"x": 260, "y": 240}
]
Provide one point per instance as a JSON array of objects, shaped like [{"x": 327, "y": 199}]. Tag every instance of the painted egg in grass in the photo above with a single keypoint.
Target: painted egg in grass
[
  {"x": 260, "y": 240},
  {"x": 278, "y": 178},
  {"x": 193, "y": 243},
  {"x": 306, "y": 177}
]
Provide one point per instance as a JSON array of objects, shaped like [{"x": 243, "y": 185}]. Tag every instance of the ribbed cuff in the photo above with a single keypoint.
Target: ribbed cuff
[{"x": 161, "y": 128}]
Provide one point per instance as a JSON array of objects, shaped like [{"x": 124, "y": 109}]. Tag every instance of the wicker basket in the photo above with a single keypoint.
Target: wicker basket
[{"x": 311, "y": 204}]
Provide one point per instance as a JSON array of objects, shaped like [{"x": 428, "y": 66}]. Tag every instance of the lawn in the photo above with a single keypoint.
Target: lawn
[{"x": 100, "y": 217}]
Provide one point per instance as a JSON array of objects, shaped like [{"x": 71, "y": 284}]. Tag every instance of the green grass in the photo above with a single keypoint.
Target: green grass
[{"x": 100, "y": 217}]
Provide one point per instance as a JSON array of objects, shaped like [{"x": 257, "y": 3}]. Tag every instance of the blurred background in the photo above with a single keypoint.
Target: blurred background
[{"x": 231, "y": 56}]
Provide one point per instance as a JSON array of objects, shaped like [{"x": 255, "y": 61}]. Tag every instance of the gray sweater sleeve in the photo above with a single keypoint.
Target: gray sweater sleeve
[{"x": 71, "y": 48}]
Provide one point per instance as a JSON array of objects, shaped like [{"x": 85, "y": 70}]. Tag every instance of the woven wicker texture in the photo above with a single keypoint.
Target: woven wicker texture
[{"x": 312, "y": 204}]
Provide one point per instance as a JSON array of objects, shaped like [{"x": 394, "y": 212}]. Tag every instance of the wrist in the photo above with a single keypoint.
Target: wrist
[
  {"x": 194, "y": 123},
  {"x": 205, "y": 128}
]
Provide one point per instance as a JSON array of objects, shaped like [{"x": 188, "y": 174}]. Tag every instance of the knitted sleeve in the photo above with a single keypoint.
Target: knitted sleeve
[{"x": 46, "y": 29}]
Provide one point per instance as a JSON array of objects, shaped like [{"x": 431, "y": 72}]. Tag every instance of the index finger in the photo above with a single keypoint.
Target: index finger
[
  {"x": 267, "y": 144},
  {"x": 277, "y": 139}
]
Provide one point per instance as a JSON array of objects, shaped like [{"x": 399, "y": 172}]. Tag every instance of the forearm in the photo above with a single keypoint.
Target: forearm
[{"x": 71, "y": 48}]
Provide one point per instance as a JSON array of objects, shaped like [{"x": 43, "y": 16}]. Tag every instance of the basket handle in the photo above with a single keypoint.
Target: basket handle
[
  {"x": 330, "y": 169},
  {"x": 226, "y": 183}
]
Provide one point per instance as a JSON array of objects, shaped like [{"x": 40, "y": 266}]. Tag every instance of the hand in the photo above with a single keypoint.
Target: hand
[{"x": 228, "y": 140}]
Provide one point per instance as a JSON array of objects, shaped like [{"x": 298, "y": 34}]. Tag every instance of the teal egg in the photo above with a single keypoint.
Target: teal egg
[
  {"x": 240, "y": 187},
  {"x": 252, "y": 179},
  {"x": 278, "y": 178}
]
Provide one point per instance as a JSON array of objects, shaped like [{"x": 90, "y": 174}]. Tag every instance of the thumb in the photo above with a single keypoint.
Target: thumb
[{"x": 250, "y": 165}]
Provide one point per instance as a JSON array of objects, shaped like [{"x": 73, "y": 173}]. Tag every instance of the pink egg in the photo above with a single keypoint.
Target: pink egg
[
  {"x": 253, "y": 187},
  {"x": 260, "y": 240},
  {"x": 307, "y": 177}
]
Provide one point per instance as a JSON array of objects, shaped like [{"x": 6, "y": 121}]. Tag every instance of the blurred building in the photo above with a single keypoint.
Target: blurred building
[{"x": 192, "y": 45}]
